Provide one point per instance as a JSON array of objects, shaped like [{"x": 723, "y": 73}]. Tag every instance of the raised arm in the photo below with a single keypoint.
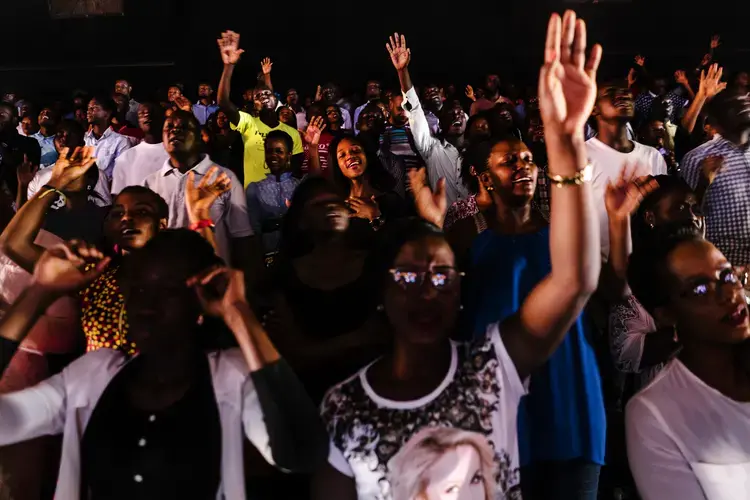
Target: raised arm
[
  {"x": 312, "y": 138},
  {"x": 567, "y": 90},
  {"x": 420, "y": 128},
  {"x": 709, "y": 86},
  {"x": 265, "y": 66},
  {"x": 17, "y": 241},
  {"x": 229, "y": 44},
  {"x": 199, "y": 198},
  {"x": 622, "y": 199},
  {"x": 287, "y": 423}
]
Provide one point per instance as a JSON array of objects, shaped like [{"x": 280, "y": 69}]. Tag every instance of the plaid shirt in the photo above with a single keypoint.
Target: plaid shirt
[{"x": 727, "y": 202}]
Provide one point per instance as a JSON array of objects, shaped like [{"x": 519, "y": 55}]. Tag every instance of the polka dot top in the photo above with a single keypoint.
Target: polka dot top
[{"x": 103, "y": 317}]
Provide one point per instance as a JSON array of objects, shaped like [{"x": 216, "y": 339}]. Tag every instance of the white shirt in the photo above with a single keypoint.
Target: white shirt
[
  {"x": 229, "y": 211},
  {"x": 108, "y": 147},
  {"x": 367, "y": 430},
  {"x": 134, "y": 165},
  {"x": 688, "y": 441},
  {"x": 442, "y": 159},
  {"x": 64, "y": 403},
  {"x": 606, "y": 164},
  {"x": 43, "y": 176}
]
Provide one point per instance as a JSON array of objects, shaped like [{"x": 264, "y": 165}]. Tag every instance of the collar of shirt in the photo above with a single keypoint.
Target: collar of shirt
[
  {"x": 201, "y": 168},
  {"x": 282, "y": 177},
  {"x": 107, "y": 133},
  {"x": 39, "y": 137},
  {"x": 211, "y": 105}
]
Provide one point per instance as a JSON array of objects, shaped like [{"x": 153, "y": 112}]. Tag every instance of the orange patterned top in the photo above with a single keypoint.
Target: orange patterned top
[{"x": 103, "y": 317}]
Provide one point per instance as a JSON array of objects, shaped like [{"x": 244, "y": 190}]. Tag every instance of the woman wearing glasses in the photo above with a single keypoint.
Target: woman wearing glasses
[
  {"x": 688, "y": 432},
  {"x": 428, "y": 380}
]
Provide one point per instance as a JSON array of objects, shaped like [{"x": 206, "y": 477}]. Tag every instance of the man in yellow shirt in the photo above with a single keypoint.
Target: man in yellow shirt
[{"x": 253, "y": 129}]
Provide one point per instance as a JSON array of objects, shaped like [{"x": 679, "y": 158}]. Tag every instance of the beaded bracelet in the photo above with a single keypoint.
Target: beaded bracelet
[{"x": 579, "y": 178}]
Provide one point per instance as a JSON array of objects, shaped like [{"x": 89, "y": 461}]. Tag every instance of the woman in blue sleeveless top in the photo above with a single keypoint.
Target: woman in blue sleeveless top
[{"x": 561, "y": 423}]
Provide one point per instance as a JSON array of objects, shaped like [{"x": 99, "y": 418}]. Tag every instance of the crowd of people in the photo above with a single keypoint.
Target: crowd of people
[{"x": 434, "y": 294}]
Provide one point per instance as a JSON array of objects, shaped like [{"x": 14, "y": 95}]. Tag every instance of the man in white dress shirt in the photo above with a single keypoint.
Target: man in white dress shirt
[{"x": 108, "y": 143}]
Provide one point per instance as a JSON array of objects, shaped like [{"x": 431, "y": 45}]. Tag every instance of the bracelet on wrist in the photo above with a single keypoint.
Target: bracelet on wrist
[
  {"x": 576, "y": 179},
  {"x": 61, "y": 198},
  {"x": 201, "y": 224}
]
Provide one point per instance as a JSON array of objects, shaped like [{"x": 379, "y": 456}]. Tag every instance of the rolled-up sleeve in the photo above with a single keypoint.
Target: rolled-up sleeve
[{"x": 291, "y": 427}]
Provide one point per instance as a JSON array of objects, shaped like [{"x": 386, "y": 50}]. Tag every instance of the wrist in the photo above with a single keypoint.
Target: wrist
[
  {"x": 43, "y": 294},
  {"x": 237, "y": 311},
  {"x": 195, "y": 216}
]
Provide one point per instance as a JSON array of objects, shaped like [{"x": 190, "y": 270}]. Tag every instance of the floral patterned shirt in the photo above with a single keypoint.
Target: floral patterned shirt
[{"x": 480, "y": 393}]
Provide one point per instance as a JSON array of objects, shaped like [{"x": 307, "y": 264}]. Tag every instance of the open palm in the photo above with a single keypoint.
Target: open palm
[
  {"x": 623, "y": 197},
  {"x": 229, "y": 46},
  {"x": 567, "y": 81},
  {"x": 314, "y": 129},
  {"x": 71, "y": 166},
  {"x": 432, "y": 207},
  {"x": 400, "y": 55},
  {"x": 199, "y": 197}
]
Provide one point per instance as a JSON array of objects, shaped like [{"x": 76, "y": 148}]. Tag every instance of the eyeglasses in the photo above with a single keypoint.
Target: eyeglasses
[
  {"x": 737, "y": 278},
  {"x": 441, "y": 278}
]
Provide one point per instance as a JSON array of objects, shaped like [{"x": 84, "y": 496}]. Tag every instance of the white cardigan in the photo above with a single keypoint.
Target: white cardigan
[{"x": 65, "y": 402}]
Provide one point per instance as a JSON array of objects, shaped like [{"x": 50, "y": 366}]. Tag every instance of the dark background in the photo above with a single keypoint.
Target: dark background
[{"x": 158, "y": 42}]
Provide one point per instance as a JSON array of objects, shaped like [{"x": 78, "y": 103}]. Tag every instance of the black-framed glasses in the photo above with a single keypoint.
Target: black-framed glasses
[
  {"x": 441, "y": 278},
  {"x": 736, "y": 277}
]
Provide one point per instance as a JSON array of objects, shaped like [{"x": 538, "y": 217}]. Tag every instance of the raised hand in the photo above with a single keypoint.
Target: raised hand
[
  {"x": 71, "y": 166},
  {"x": 709, "y": 84},
  {"x": 711, "y": 166},
  {"x": 640, "y": 60},
  {"x": 266, "y": 65},
  {"x": 623, "y": 197},
  {"x": 229, "y": 46},
  {"x": 219, "y": 290},
  {"x": 184, "y": 103},
  {"x": 632, "y": 77},
  {"x": 318, "y": 94},
  {"x": 432, "y": 207},
  {"x": 200, "y": 197},
  {"x": 68, "y": 267},
  {"x": 470, "y": 93},
  {"x": 26, "y": 171},
  {"x": 400, "y": 55},
  {"x": 681, "y": 78},
  {"x": 314, "y": 129},
  {"x": 715, "y": 42},
  {"x": 567, "y": 81}
]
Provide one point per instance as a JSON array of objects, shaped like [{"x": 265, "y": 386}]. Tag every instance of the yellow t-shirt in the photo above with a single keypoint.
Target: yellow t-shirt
[{"x": 254, "y": 133}]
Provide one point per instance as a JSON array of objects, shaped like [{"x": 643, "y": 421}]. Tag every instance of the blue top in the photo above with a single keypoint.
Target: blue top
[{"x": 563, "y": 416}]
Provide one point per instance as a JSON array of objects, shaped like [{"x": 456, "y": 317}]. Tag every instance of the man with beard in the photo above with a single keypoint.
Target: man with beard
[
  {"x": 48, "y": 120},
  {"x": 727, "y": 203},
  {"x": 441, "y": 156},
  {"x": 123, "y": 87},
  {"x": 491, "y": 95},
  {"x": 253, "y": 129},
  {"x": 135, "y": 164},
  {"x": 373, "y": 93},
  {"x": 228, "y": 214},
  {"x": 206, "y": 105},
  {"x": 611, "y": 149}
]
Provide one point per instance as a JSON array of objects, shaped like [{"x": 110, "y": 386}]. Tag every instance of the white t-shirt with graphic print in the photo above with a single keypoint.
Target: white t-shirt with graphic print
[{"x": 480, "y": 393}]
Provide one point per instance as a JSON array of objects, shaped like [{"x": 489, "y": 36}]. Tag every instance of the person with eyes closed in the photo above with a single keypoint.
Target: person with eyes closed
[
  {"x": 688, "y": 432},
  {"x": 425, "y": 378}
]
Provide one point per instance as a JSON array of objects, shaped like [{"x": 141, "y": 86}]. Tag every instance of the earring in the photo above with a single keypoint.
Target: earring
[
  {"x": 490, "y": 188},
  {"x": 200, "y": 320},
  {"x": 380, "y": 308},
  {"x": 461, "y": 307},
  {"x": 675, "y": 338},
  {"x": 651, "y": 225}
]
